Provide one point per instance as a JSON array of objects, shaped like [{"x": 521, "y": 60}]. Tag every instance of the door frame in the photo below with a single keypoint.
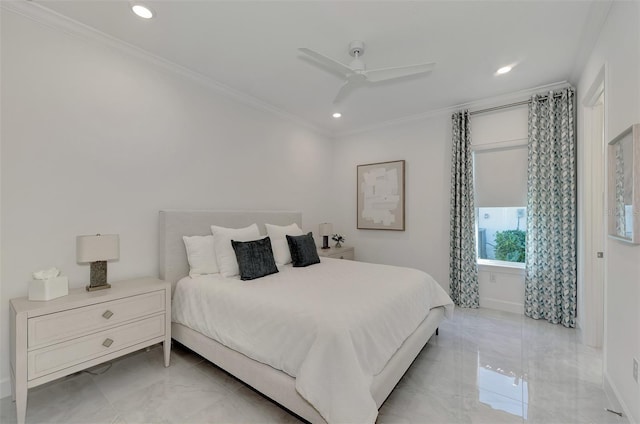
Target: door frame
[{"x": 593, "y": 204}]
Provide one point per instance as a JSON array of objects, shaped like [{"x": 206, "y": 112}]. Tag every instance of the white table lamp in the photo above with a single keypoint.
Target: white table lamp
[
  {"x": 98, "y": 250},
  {"x": 326, "y": 229}
]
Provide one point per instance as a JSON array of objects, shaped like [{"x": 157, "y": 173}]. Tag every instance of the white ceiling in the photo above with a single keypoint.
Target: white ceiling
[{"x": 251, "y": 46}]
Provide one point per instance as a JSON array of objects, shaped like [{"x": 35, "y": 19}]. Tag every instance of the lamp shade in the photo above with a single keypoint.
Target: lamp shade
[
  {"x": 326, "y": 229},
  {"x": 97, "y": 248}
]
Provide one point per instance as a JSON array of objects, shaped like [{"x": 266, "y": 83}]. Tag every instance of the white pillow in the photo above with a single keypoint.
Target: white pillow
[
  {"x": 279, "y": 245},
  {"x": 225, "y": 255},
  {"x": 201, "y": 255}
]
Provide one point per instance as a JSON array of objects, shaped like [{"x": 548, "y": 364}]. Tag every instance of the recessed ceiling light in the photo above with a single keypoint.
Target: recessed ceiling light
[
  {"x": 142, "y": 11},
  {"x": 337, "y": 115},
  {"x": 503, "y": 70}
]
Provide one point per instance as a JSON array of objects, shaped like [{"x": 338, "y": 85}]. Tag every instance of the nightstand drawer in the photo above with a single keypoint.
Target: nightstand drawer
[
  {"x": 61, "y": 326},
  {"x": 53, "y": 358},
  {"x": 343, "y": 252},
  {"x": 344, "y": 255}
]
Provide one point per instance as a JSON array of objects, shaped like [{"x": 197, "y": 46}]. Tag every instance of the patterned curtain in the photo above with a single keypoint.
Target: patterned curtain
[
  {"x": 463, "y": 270},
  {"x": 620, "y": 210},
  {"x": 551, "y": 274}
]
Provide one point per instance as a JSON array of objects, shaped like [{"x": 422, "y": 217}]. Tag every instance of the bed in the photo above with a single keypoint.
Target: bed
[{"x": 299, "y": 381}]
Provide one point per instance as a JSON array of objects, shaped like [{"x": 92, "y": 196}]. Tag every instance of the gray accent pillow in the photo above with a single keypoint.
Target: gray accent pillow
[
  {"x": 303, "y": 250},
  {"x": 255, "y": 258}
]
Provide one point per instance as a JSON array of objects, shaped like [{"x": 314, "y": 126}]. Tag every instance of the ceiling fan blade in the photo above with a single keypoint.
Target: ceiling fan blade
[
  {"x": 384, "y": 74},
  {"x": 344, "y": 91},
  {"x": 327, "y": 61}
]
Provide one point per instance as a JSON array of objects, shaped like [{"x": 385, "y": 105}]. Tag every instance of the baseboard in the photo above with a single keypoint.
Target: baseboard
[
  {"x": 580, "y": 330},
  {"x": 613, "y": 396},
  {"x": 502, "y": 305},
  {"x": 5, "y": 388},
  {"x": 578, "y": 323}
]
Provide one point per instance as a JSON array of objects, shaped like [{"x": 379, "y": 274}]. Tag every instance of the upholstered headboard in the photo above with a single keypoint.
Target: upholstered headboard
[{"x": 177, "y": 223}]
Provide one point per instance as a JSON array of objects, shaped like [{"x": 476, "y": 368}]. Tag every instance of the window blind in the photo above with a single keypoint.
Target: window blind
[{"x": 500, "y": 177}]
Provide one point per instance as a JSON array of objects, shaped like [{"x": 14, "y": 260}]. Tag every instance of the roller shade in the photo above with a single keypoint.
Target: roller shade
[{"x": 500, "y": 177}]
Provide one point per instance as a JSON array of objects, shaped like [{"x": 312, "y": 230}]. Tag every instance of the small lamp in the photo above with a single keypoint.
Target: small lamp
[
  {"x": 326, "y": 229},
  {"x": 98, "y": 250}
]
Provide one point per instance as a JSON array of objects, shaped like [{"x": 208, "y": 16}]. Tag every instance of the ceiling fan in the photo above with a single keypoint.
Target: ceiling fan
[{"x": 356, "y": 73}]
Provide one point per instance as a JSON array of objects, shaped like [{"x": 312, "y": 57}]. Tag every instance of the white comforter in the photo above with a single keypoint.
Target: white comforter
[{"x": 332, "y": 326}]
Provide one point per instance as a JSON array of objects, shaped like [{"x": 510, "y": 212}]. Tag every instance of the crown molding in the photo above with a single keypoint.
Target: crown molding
[
  {"x": 57, "y": 21},
  {"x": 71, "y": 27},
  {"x": 479, "y": 104}
]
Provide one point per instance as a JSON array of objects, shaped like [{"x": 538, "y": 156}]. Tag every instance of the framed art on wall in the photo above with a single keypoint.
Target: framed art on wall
[
  {"x": 381, "y": 196},
  {"x": 623, "y": 185}
]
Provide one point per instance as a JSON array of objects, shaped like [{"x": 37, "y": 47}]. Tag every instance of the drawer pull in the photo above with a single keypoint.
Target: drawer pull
[
  {"x": 107, "y": 314},
  {"x": 107, "y": 343}
]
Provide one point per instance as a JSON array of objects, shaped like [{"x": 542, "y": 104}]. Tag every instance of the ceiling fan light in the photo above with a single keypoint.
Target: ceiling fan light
[
  {"x": 142, "y": 11},
  {"x": 337, "y": 115},
  {"x": 503, "y": 70}
]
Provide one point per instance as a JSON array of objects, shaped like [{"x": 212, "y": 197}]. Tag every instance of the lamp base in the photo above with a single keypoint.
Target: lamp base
[
  {"x": 98, "y": 277},
  {"x": 325, "y": 242},
  {"x": 102, "y": 287}
]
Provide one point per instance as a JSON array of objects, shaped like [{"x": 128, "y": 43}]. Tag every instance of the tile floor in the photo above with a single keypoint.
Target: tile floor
[{"x": 484, "y": 367}]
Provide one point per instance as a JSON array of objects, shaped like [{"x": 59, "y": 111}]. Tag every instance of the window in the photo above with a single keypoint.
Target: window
[
  {"x": 500, "y": 177},
  {"x": 501, "y": 233}
]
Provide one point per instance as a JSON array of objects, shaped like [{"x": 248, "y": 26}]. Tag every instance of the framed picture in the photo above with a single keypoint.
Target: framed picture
[
  {"x": 623, "y": 186},
  {"x": 381, "y": 196}
]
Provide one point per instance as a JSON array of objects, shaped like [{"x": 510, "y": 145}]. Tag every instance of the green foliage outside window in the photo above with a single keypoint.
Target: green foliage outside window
[{"x": 510, "y": 245}]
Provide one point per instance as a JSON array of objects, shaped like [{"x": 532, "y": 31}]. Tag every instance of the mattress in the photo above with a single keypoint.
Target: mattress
[{"x": 332, "y": 326}]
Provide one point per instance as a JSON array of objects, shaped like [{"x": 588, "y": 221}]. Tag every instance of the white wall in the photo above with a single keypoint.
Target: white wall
[
  {"x": 94, "y": 140},
  {"x": 426, "y": 147},
  {"x": 618, "y": 50}
]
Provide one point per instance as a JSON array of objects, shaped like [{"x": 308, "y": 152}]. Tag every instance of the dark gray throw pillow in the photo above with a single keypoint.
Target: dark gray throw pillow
[
  {"x": 303, "y": 250},
  {"x": 255, "y": 258}
]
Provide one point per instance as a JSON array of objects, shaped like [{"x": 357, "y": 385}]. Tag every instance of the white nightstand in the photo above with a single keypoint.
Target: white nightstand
[
  {"x": 343, "y": 252},
  {"x": 62, "y": 336}
]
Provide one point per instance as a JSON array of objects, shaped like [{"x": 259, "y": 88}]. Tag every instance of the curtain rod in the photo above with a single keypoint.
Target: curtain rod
[{"x": 524, "y": 102}]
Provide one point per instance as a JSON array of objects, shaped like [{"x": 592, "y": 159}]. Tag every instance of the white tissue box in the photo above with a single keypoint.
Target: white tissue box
[{"x": 48, "y": 289}]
